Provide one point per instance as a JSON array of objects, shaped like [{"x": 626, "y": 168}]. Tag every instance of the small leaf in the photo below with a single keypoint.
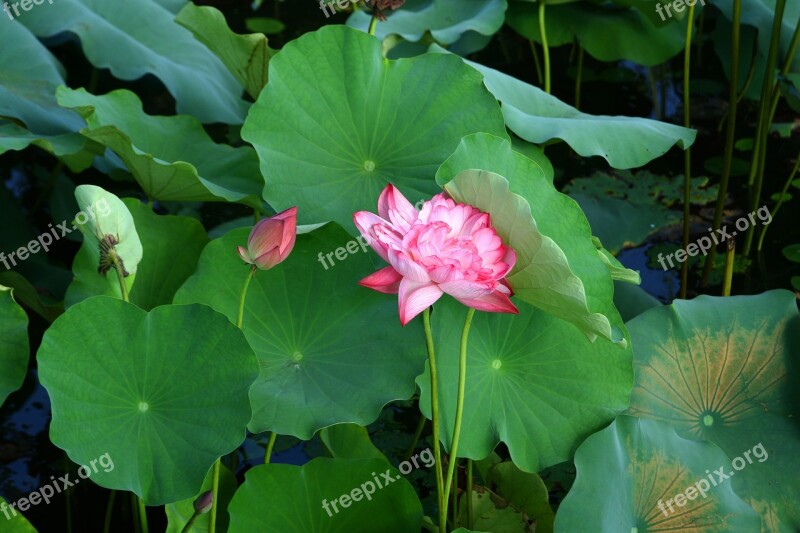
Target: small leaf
[{"x": 14, "y": 344}]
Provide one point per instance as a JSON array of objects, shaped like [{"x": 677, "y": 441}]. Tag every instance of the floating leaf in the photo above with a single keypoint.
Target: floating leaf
[
  {"x": 15, "y": 522},
  {"x": 337, "y": 122},
  {"x": 534, "y": 382},
  {"x": 792, "y": 253},
  {"x": 164, "y": 406},
  {"x": 297, "y": 498},
  {"x": 172, "y": 158},
  {"x": 246, "y": 56},
  {"x": 139, "y": 37},
  {"x": 300, "y": 318},
  {"x": 537, "y": 117},
  {"x": 722, "y": 369},
  {"x": 14, "y": 344},
  {"x": 654, "y": 480}
]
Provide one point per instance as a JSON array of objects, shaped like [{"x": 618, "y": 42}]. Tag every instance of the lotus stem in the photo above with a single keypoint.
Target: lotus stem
[
  {"x": 243, "y": 297},
  {"x": 469, "y": 494},
  {"x": 462, "y": 381},
  {"x": 536, "y": 61},
  {"x": 270, "y": 446},
  {"x": 417, "y": 434},
  {"x": 545, "y": 47},
  {"x": 729, "y": 261},
  {"x": 437, "y": 451},
  {"x": 579, "y": 77},
  {"x": 781, "y": 200},
  {"x": 373, "y": 24},
  {"x": 687, "y": 155},
  {"x": 212, "y": 519},
  {"x": 142, "y": 515},
  {"x": 109, "y": 511},
  {"x": 730, "y": 139},
  {"x": 756, "y": 177}
]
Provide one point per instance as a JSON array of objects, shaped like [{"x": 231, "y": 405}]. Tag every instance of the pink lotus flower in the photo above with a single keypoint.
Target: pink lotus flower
[
  {"x": 443, "y": 248},
  {"x": 271, "y": 240}
]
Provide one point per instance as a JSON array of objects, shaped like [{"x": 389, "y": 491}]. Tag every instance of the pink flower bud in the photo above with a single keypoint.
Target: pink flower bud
[{"x": 271, "y": 240}]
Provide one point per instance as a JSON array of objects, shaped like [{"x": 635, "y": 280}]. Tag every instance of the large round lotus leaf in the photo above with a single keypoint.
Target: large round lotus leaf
[
  {"x": 14, "y": 345},
  {"x": 725, "y": 370},
  {"x": 543, "y": 275},
  {"x": 279, "y": 498},
  {"x": 534, "y": 382},
  {"x": 337, "y": 122},
  {"x": 164, "y": 393},
  {"x": 446, "y": 20},
  {"x": 330, "y": 351},
  {"x": 639, "y": 475}
]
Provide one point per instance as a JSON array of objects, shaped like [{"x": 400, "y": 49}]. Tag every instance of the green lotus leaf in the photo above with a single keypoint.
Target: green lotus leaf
[
  {"x": 75, "y": 150},
  {"x": 534, "y": 382},
  {"x": 537, "y": 117},
  {"x": 245, "y": 56},
  {"x": 179, "y": 513},
  {"x": 555, "y": 215},
  {"x": 337, "y": 122},
  {"x": 489, "y": 514},
  {"x": 15, "y": 522},
  {"x": 350, "y": 441},
  {"x": 607, "y": 32},
  {"x": 30, "y": 297},
  {"x": 139, "y": 37},
  {"x": 172, "y": 158},
  {"x": 446, "y": 20},
  {"x": 14, "y": 344},
  {"x": 542, "y": 275},
  {"x": 654, "y": 480},
  {"x": 297, "y": 496},
  {"x": 331, "y": 351},
  {"x": 723, "y": 370},
  {"x": 524, "y": 491},
  {"x": 164, "y": 393}
]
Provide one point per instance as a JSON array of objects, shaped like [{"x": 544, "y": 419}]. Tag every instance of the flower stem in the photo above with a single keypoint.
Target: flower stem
[
  {"x": 142, "y": 515},
  {"x": 109, "y": 511},
  {"x": 217, "y": 465},
  {"x": 243, "y": 297},
  {"x": 462, "y": 381},
  {"x": 687, "y": 154},
  {"x": 270, "y": 446},
  {"x": 212, "y": 520},
  {"x": 469, "y": 494},
  {"x": 373, "y": 24},
  {"x": 437, "y": 452},
  {"x": 545, "y": 47},
  {"x": 123, "y": 287}
]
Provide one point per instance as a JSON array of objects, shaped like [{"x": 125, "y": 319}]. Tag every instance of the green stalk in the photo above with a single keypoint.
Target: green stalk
[
  {"x": 270, "y": 446},
  {"x": 123, "y": 287},
  {"x": 134, "y": 514},
  {"x": 373, "y": 24},
  {"x": 469, "y": 494},
  {"x": 462, "y": 381},
  {"x": 188, "y": 527},
  {"x": 687, "y": 155},
  {"x": 579, "y": 77},
  {"x": 730, "y": 138},
  {"x": 455, "y": 496},
  {"x": 756, "y": 178},
  {"x": 109, "y": 511},
  {"x": 727, "y": 281},
  {"x": 437, "y": 451},
  {"x": 536, "y": 61},
  {"x": 780, "y": 200},
  {"x": 212, "y": 527},
  {"x": 545, "y": 47},
  {"x": 417, "y": 434},
  {"x": 142, "y": 515}
]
